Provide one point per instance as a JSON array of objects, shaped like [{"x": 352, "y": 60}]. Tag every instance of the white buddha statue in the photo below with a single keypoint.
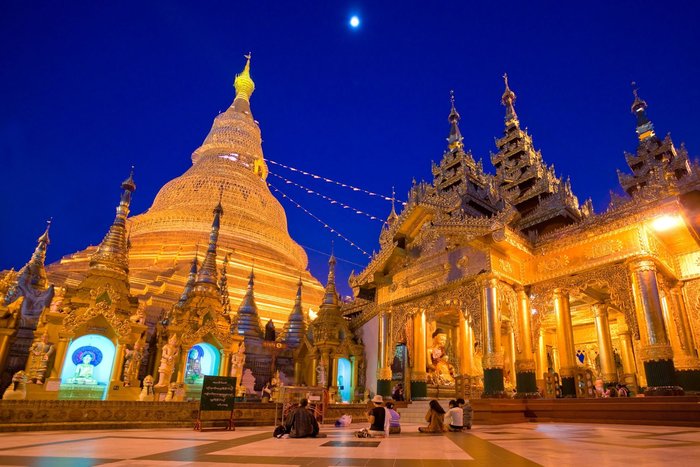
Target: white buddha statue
[{"x": 83, "y": 372}]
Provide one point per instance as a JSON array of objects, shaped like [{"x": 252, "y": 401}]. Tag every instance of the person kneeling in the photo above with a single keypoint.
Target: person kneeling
[
  {"x": 394, "y": 423},
  {"x": 301, "y": 422},
  {"x": 453, "y": 417}
]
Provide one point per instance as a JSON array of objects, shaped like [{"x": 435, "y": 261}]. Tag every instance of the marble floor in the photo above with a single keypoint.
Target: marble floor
[{"x": 549, "y": 444}]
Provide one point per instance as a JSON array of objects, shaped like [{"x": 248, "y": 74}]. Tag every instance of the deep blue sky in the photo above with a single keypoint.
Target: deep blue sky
[{"x": 89, "y": 88}]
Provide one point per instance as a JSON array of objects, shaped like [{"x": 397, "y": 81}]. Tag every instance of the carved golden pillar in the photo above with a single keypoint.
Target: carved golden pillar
[
  {"x": 334, "y": 371},
  {"x": 419, "y": 385},
  {"x": 314, "y": 378},
  {"x": 491, "y": 332},
  {"x": 383, "y": 368},
  {"x": 466, "y": 346},
  {"x": 525, "y": 376},
  {"x": 541, "y": 363},
  {"x": 565, "y": 342},
  {"x": 225, "y": 365},
  {"x": 5, "y": 338},
  {"x": 297, "y": 373},
  {"x": 118, "y": 365},
  {"x": 685, "y": 360},
  {"x": 629, "y": 365},
  {"x": 605, "y": 347},
  {"x": 182, "y": 366},
  {"x": 656, "y": 353},
  {"x": 353, "y": 379}
]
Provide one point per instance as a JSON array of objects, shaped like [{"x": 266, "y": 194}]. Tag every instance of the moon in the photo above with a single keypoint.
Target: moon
[{"x": 354, "y": 22}]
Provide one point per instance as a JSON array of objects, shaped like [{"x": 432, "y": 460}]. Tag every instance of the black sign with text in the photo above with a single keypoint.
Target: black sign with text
[{"x": 218, "y": 393}]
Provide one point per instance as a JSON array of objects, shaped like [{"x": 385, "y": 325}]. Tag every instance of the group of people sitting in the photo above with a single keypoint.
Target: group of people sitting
[
  {"x": 458, "y": 417},
  {"x": 383, "y": 419}
]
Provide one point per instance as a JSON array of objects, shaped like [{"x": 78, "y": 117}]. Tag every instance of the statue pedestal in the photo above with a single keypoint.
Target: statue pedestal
[
  {"x": 38, "y": 392},
  {"x": 117, "y": 392},
  {"x": 441, "y": 391},
  {"x": 81, "y": 392}
]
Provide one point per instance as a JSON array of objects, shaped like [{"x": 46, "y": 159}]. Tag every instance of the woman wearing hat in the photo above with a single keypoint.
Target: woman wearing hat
[{"x": 379, "y": 420}]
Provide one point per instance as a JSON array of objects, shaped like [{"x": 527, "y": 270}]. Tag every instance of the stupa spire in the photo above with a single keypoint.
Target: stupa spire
[
  {"x": 191, "y": 278},
  {"x": 331, "y": 296},
  {"x": 295, "y": 327},
  {"x": 454, "y": 140},
  {"x": 248, "y": 318},
  {"x": 243, "y": 83},
  {"x": 113, "y": 252},
  {"x": 508, "y": 100},
  {"x": 207, "y": 273},
  {"x": 645, "y": 129}
]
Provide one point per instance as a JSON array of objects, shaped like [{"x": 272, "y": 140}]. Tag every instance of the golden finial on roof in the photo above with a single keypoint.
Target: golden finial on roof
[{"x": 244, "y": 83}]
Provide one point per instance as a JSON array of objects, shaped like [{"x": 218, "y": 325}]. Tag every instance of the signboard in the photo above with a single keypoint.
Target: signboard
[
  {"x": 218, "y": 396},
  {"x": 218, "y": 393}
]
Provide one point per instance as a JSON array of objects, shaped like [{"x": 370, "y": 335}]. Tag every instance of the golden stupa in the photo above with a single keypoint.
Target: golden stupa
[{"x": 228, "y": 167}]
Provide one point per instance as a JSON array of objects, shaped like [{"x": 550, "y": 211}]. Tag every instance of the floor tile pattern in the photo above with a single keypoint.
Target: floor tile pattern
[{"x": 548, "y": 444}]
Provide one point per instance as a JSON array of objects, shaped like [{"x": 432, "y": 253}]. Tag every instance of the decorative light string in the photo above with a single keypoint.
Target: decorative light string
[
  {"x": 306, "y": 247},
  {"x": 327, "y": 198},
  {"x": 325, "y": 225},
  {"x": 328, "y": 180}
]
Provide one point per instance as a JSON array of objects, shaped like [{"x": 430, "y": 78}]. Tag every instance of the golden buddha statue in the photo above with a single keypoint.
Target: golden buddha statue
[{"x": 440, "y": 371}]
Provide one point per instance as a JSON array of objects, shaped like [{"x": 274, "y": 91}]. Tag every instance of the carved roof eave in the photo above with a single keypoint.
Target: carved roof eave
[
  {"x": 540, "y": 217},
  {"x": 374, "y": 265}
]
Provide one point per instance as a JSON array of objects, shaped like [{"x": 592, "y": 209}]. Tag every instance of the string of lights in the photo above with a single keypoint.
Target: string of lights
[
  {"x": 325, "y": 225},
  {"x": 306, "y": 247},
  {"x": 328, "y": 180},
  {"x": 327, "y": 198}
]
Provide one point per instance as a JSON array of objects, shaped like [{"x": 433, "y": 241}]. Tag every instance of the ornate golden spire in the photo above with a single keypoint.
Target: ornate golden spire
[
  {"x": 295, "y": 327},
  {"x": 454, "y": 141},
  {"x": 34, "y": 269},
  {"x": 645, "y": 129},
  {"x": 207, "y": 273},
  {"x": 113, "y": 252},
  {"x": 244, "y": 83},
  {"x": 392, "y": 215},
  {"x": 191, "y": 278},
  {"x": 508, "y": 100},
  {"x": 331, "y": 296},
  {"x": 248, "y": 320}
]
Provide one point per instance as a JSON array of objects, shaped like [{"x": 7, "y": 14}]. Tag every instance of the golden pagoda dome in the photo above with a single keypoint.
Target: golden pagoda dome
[{"x": 228, "y": 168}]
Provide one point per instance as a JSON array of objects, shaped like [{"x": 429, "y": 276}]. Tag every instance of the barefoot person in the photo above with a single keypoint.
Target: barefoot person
[
  {"x": 435, "y": 418},
  {"x": 453, "y": 417},
  {"x": 301, "y": 422}
]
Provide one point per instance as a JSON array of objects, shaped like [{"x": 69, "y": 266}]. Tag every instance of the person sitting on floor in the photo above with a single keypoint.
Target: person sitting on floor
[
  {"x": 453, "y": 417},
  {"x": 301, "y": 422},
  {"x": 467, "y": 413},
  {"x": 435, "y": 418},
  {"x": 394, "y": 424},
  {"x": 379, "y": 420}
]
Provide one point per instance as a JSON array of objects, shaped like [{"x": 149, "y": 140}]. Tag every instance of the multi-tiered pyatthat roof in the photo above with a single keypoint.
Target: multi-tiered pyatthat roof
[
  {"x": 543, "y": 201},
  {"x": 657, "y": 164}
]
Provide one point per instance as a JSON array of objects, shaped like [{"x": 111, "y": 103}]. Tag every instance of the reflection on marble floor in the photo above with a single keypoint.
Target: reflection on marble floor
[{"x": 557, "y": 444}]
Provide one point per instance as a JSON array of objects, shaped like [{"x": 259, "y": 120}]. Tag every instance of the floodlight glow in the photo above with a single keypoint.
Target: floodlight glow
[{"x": 667, "y": 222}]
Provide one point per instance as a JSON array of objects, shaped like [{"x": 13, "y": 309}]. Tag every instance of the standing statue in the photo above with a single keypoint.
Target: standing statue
[
  {"x": 57, "y": 302},
  {"x": 132, "y": 363},
  {"x": 440, "y": 371},
  {"x": 237, "y": 362},
  {"x": 40, "y": 353},
  {"x": 167, "y": 361},
  {"x": 321, "y": 378},
  {"x": 140, "y": 316}
]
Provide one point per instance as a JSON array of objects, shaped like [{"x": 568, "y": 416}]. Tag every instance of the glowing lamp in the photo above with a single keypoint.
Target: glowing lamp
[{"x": 667, "y": 222}]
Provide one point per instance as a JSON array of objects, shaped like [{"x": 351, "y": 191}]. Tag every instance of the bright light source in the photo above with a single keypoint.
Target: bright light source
[
  {"x": 354, "y": 21},
  {"x": 312, "y": 314},
  {"x": 663, "y": 223}
]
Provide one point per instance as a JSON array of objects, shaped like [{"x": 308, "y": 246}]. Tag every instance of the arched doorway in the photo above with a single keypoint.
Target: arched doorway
[
  {"x": 202, "y": 360},
  {"x": 344, "y": 381},
  {"x": 88, "y": 367}
]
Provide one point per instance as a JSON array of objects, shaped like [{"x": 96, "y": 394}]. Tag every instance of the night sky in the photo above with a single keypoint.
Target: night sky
[{"x": 88, "y": 89}]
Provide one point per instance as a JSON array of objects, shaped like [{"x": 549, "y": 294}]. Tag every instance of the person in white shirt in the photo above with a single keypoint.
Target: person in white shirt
[{"x": 453, "y": 417}]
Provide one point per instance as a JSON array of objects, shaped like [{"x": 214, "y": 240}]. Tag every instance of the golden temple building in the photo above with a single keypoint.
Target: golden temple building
[{"x": 499, "y": 284}]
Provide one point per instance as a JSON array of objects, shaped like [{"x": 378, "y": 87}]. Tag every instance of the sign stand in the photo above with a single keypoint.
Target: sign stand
[{"x": 216, "y": 402}]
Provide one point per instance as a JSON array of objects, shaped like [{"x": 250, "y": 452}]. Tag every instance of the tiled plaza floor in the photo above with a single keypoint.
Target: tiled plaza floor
[{"x": 553, "y": 444}]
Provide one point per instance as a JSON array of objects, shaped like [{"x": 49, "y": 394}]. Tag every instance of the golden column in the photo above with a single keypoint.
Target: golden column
[
  {"x": 225, "y": 365},
  {"x": 419, "y": 385},
  {"x": 525, "y": 376},
  {"x": 383, "y": 368},
  {"x": 656, "y": 353},
  {"x": 605, "y": 347},
  {"x": 565, "y": 342},
  {"x": 466, "y": 346},
  {"x": 541, "y": 363},
  {"x": 118, "y": 365},
  {"x": 629, "y": 365},
  {"x": 491, "y": 332},
  {"x": 314, "y": 377},
  {"x": 59, "y": 357},
  {"x": 685, "y": 359}
]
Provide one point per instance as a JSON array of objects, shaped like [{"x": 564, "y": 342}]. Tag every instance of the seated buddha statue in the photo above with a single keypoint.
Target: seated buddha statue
[
  {"x": 83, "y": 372},
  {"x": 440, "y": 371}
]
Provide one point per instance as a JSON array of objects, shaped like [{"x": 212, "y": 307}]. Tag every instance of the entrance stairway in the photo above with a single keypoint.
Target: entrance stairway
[{"x": 416, "y": 410}]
